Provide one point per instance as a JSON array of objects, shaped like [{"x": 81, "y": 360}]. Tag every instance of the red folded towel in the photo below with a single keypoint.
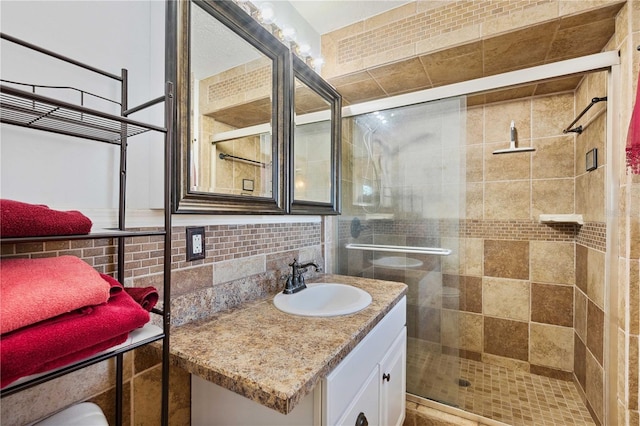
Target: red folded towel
[
  {"x": 147, "y": 297},
  {"x": 69, "y": 337},
  {"x": 633, "y": 136},
  {"x": 18, "y": 219},
  {"x": 37, "y": 289}
]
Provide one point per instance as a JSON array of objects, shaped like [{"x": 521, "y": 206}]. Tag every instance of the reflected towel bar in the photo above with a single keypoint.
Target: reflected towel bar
[
  {"x": 400, "y": 249},
  {"x": 242, "y": 160},
  {"x": 578, "y": 129}
]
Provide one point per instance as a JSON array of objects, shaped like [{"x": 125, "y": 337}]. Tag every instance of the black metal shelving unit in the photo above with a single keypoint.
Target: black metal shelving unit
[{"x": 28, "y": 109}]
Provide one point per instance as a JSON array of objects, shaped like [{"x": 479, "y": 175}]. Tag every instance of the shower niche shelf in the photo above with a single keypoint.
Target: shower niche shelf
[{"x": 562, "y": 218}]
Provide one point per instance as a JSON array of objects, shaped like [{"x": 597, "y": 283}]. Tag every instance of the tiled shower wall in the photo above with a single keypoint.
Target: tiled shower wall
[
  {"x": 243, "y": 262},
  {"x": 590, "y": 291}
]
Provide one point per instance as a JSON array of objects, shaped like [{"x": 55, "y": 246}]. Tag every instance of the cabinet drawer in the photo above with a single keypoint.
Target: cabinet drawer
[{"x": 342, "y": 385}]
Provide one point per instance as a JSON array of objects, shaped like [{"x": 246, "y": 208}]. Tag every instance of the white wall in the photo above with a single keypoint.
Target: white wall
[{"x": 69, "y": 173}]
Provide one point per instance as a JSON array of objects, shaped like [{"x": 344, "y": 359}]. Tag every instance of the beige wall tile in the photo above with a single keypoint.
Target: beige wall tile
[
  {"x": 506, "y": 338},
  {"x": 188, "y": 279},
  {"x": 506, "y": 259},
  {"x": 405, "y": 76},
  {"x": 506, "y": 52},
  {"x": 475, "y": 164},
  {"x": 511, "y": 166},
  {"x": 454, "y": 263},
  {"x": 397, "y": 54},
  {"x": 582, "y": 267},
  {"x": 474, "y": 201},
  {"x": 551, "y": 114},
  {"x": 580, "y": 363},
  {"x": 595, "y": 277},
  {"x": 580, "y": 314},
  {"x": 551, "y": 346},
  {"x": 595, "y": 331},
  {"x": 462, "y": 330},
  {"x": 240, "y": 268},
  {"x": 147, "y": 397},
  {"x": 506, "y": 298},
  {"x": 595, "y": 385},
  {"x": 553, "y": 157},
  {"x": 509, "y": 200},
  {"x": 475, "y": 125},
  {"x": 456, "y": 64},
  {"x": 474, "y": 255},
  {"x": 590, "y": 195},
  {"x": 497, "y": 121},
  {"x": 552, "y": 304},
  {"x": 361, "y": 91},
  {"x": 552, "y": 196},
  {"x": 552, "y": 262}
]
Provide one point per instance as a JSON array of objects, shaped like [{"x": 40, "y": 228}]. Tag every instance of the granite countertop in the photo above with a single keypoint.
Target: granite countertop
[{"x": 275, "y": 358}]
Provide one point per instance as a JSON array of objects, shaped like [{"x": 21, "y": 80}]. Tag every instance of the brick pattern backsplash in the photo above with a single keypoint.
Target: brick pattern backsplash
[
  {"x": 228, "y": 242},
  {"x": 101, "y": 253},
  {"x": 238, "y": 84},
  {"x": 143, "y": 255},
  {"x": 431, "y": 23}
]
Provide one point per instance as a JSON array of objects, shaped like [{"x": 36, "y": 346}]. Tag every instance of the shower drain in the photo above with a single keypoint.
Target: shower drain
[{"x": 464, "y": 383}]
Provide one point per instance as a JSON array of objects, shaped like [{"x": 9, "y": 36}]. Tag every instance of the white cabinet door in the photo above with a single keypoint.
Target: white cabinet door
[
  {"x": 393, "y": 383},
  {"x": 364, "y": 410}
]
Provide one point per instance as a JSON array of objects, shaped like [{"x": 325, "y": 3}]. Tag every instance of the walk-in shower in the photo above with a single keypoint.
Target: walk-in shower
[{"x": 493, "y": 290}]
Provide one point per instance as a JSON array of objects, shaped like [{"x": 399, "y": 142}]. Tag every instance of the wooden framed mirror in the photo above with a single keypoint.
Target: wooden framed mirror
[
  {"x": 315, "y": 159},
  {"x": 233, "y": 111}
]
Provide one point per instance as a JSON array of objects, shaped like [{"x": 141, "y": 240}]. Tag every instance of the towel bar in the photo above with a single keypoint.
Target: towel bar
[{"x": 400, "y": 249}]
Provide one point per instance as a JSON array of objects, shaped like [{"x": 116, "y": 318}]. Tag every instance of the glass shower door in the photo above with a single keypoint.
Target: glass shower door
[{"x": 403, "y": 186}]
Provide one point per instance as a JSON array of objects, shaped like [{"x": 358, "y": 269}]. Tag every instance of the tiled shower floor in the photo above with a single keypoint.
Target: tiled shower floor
[{"x": 513, "y": 397}]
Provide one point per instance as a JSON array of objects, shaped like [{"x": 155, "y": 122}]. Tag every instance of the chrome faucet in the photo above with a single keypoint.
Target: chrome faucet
[{"x": 295, "y": 281}]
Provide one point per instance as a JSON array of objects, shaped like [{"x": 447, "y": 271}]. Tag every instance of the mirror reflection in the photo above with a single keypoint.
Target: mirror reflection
[
  {"x": 312, "y": 180},
  {"x": 231, "y": 85},
  {"x": 316, "y": 143}
]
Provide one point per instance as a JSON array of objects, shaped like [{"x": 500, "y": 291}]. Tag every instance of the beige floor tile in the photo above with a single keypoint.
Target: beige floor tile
[{"x": 514, "y": 397}]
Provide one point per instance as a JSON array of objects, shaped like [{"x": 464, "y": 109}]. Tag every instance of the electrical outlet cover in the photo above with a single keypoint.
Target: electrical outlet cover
[{"x": 195, "y": 243}]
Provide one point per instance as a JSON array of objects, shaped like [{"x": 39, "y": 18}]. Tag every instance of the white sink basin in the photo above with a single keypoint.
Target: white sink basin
[{"x": 323, "y": 300}]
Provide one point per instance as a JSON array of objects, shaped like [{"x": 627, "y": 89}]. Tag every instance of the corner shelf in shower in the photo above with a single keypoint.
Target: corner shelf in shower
[
  {"x": 400, "y": 249},
  {"x": 562, "y": 218}
]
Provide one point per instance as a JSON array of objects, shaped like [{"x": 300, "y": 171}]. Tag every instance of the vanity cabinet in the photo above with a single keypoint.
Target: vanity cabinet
[
  {"x": 366, "y": 388},
  {"x": 371, "y": 379}
]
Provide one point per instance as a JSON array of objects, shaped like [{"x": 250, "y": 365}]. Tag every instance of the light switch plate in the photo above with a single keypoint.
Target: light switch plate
[{"x": 195, "y": 243}]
